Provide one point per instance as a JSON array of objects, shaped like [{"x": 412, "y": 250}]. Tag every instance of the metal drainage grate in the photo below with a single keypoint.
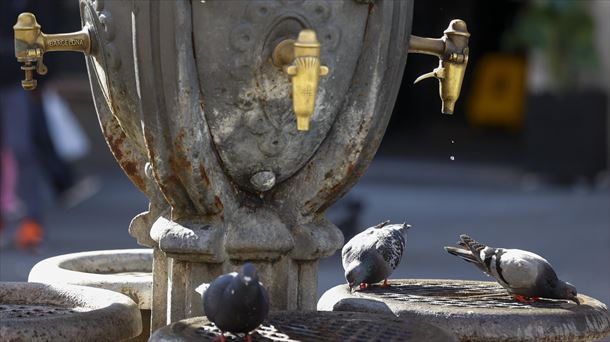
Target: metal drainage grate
[
  {"x": 8, "y": 311},
  {"x": 319, "y": 326},
  {"x": 459, "y": 294}
]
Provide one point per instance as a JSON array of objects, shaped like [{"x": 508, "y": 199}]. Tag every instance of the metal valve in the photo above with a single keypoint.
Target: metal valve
[
  {"x": 31, "y": 44},
  {"x": 300, "y": 59},
  {"x": 452, "y": 51}
]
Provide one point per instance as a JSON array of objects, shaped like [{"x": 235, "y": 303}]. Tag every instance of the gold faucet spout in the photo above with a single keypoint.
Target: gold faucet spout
[
  {"x": 31, "y": 44},
  {"x": 452, "y": 50},
  {"x": 300, "y": 60}
]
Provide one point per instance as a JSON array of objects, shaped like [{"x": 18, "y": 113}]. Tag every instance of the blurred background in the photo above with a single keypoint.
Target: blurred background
[{"x": 523, "y": 162}]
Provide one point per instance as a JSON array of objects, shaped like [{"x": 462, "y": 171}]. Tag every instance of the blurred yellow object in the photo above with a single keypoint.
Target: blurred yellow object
[{"x": 498, "y": 95}]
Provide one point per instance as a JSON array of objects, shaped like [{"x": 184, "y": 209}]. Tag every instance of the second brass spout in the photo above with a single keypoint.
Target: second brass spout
[
  {"x": 452, "y": 50},
  {"x": 31, "y": 44},
  {"x": 300, "y": 59}
]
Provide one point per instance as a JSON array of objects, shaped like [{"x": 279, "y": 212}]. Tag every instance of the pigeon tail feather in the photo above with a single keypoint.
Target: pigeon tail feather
[
  {"x": 465, "y": 254},
  {"x": 383, "y": 224},
  {"x": 474, "y": 246}
]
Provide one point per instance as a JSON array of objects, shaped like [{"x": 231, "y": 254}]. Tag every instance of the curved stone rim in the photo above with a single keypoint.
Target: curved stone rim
[
  {"x": 587, "y": 321},
  {"x": 56, "y": 270},
  {"x": 102, "y": 315}
]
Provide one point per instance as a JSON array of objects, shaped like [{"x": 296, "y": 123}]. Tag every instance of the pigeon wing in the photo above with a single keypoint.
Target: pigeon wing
[
  {"x": 359, "y": 244},
  {"x": 391, "y": 245},
  {"x": 213, "y": 296},
  {"x": 524, "y": 272}
]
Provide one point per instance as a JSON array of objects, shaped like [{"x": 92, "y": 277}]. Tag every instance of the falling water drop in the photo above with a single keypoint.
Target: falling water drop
[
  {"x": 453, "y": 142},
  {"x": 452, "y": 158}
]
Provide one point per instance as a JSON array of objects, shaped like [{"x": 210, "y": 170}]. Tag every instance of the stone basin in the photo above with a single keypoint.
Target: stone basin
[
  {"x": 476, "y": 310},
  {"x": 311, "y": 326},
  {"x": 51, "y": 312},
  {"x": 128, "y": 271}
]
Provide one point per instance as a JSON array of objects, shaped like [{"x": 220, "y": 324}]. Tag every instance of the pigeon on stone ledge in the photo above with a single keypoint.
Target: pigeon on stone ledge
[
  {"x": 236, "y": 302},
  {"x": 526, "y": 276},
  {"x": 372, "y": 255}
]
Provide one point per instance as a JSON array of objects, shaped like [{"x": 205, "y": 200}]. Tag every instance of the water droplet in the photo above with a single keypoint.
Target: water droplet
[
  {"x": 452, "y": 158},
  {"x": 453, "y": 142}
]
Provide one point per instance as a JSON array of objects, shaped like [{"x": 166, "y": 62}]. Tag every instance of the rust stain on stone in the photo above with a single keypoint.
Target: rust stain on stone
[
  {"x": 218, "y": 203},
  {"x": 330, "y": 190},
  {"x": 350, "y": 169},
  {"x": 131, "y": 168},
  {"x": 178, "y": 161},
  {"x": 172, "y": 180},
  {"x": 115, "y": 144},
  {"x": 204, "y": 176}
]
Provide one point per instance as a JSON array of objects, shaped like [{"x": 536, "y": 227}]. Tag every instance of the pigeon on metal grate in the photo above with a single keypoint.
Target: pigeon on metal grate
[
  {"x": 372, "y": 255},
  {"x": 236, "y": 302},
  {"x": 526, "y": 276}
]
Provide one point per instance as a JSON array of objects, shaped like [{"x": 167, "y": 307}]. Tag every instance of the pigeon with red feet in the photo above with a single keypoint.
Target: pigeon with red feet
[
  {"x": 372, "y": 255},
  {"x": 236, "y": 302},
  {"x": 526, "y": 276}
]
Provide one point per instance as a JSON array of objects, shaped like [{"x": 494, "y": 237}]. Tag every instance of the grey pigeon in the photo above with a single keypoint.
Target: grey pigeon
[
  {"x": 372, "y": 255},
  {"x": 236, "y": 302},
  {"x": 526, "y": 276}
]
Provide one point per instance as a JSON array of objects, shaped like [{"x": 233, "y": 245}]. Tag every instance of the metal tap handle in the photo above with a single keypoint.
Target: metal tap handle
[
  {"x": 300, "y": 59},
  {"x": 452, "y": 50},
  {"x": 31, "y": 44}
]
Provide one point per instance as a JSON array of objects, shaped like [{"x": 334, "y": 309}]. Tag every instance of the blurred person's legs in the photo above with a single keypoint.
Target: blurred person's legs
[
  {"x": 8, "y": 185},
  {"x": 17, "y": 135},
  {"x": 68, "y": 187},
  {"x": 57, "y": 170}
]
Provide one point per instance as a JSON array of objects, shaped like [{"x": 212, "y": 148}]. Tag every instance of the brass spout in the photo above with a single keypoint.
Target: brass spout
[
  {"x": 300, "y": 59},
  {"x": 452, "y": 50},
  {"x": 31, "y": 44}
]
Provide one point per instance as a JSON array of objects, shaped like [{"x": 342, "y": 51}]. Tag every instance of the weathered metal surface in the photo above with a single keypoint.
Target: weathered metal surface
[
  {"x": 123, "y": 137},
  {"x": 248, "y": 103},
  {"x": 41, "y": 312},
  {"x": 201, "y": 121},
  {"x": 477, "y": 311},
  {"x": 286, "y": 326}
]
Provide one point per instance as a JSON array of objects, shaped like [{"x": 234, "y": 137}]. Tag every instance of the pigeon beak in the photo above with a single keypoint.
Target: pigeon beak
[
  {"x": 576, "y": 300},
  {"x": 351, "y": 287}
]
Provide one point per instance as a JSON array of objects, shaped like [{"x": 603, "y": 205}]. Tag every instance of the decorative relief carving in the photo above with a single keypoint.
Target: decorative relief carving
[
  {"x": 321, "y": 11},
  {"x": 241, "y": 38},
  {"x": 260, "y": 10},
  {"x": 98, "y": 5},
  {"x": 247, "y": 36},
  {"x": 272, "y": 143},
  {"x": 105, "y": 33},
  {"x": 256, "y": 123},
  {"x": 330, "y": 36},
  {"x": 292, "y": 2},
  {"x": 107, "y": 25}
]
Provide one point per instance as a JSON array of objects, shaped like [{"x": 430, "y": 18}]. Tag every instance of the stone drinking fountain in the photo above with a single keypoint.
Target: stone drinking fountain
[{"x": 242, "y": 122}]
